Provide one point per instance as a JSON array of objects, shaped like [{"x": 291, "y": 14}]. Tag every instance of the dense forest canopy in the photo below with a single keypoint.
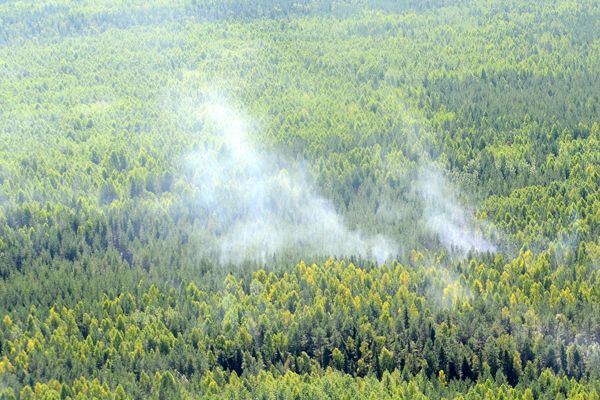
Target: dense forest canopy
[{"x": 300, "y": 199}]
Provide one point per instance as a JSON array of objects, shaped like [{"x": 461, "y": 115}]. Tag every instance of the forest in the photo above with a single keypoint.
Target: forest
[{"x": 300, "y": 199}]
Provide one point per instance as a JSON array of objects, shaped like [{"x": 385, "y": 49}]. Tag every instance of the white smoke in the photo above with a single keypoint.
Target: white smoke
[
  {"x": 445, "y": 216},
  {"x": 256, "y": 205}
]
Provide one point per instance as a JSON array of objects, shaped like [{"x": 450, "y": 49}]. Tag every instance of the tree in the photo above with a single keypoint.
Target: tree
[
  {"x": 386, "y": 360},
  {"x": 168, "y": 387},
  {"x": 338, "y": 359}
]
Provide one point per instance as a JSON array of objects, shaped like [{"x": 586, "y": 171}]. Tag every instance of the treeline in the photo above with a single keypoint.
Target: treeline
[{"x": 41, "y": 22}]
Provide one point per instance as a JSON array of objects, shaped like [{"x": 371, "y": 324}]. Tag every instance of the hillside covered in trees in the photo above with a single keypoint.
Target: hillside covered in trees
[{"x": 310, "y": 199}]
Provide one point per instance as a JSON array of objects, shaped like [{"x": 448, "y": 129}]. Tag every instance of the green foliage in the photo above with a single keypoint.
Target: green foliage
[{"x": 108, "y": 289}]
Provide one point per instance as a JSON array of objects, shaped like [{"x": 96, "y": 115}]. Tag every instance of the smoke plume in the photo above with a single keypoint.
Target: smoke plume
[
  {"x": 444, "y": 215},
  {"x": 257, "y": 205}
]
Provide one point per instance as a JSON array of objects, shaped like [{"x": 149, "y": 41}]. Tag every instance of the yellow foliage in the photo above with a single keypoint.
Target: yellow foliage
[
  {"x": 405, "y": 278},
  {"x": 6, "y": 365},
  {"x": 513, "y": 299},
  {"x": 442, "y": 377},
  {"x": 22, "y": 360},
  {"x": 31, "y": 345}
]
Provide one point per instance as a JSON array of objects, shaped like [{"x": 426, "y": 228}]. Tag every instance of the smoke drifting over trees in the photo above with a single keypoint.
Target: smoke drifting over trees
[
  {"x": 444, "y": 216},
  {"x": 257, "y": 205},
  {"x": 388, "y": 199}
]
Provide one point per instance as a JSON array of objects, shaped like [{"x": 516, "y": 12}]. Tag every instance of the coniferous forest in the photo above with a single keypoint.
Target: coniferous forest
[{"x": 300, "y": 199}]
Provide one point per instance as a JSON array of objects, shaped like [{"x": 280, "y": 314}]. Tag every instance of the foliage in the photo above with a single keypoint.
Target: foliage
[{"x": 108, "y": 288}]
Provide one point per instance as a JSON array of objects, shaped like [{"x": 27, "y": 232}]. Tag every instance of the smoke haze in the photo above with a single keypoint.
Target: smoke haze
[
  {"x": 256, "y": 205},
  {"x": 444, "y": 215}
]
